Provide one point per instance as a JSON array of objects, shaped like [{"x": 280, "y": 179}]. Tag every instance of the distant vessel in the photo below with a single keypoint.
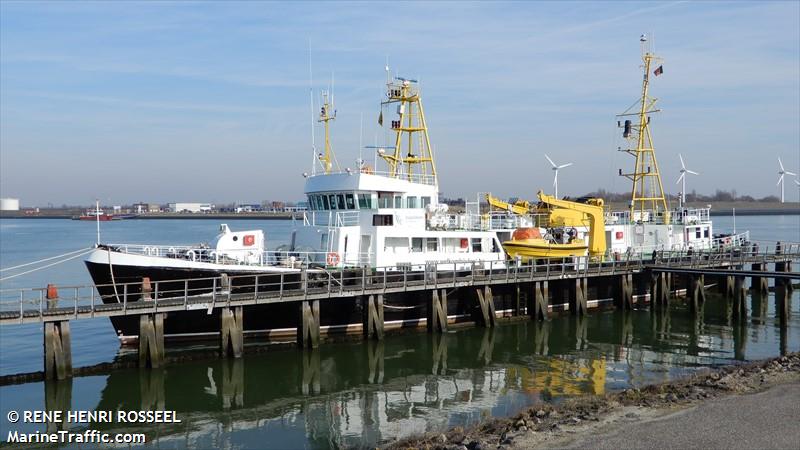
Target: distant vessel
[{"x": 95, "y": 215}]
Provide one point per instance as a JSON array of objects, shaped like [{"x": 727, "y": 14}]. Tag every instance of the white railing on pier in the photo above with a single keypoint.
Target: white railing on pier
[{"x": 33, "y": 305}]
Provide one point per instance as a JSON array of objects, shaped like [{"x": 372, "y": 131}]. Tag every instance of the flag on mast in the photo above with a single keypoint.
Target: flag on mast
[
  {"x": 380, "y": 118},
  {"x": 659, "y": 70}
]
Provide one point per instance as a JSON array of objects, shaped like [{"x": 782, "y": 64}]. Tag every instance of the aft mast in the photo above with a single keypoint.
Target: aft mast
[
  {"x": 647, "y": 187},
  {"x": 411, "y": 133}
]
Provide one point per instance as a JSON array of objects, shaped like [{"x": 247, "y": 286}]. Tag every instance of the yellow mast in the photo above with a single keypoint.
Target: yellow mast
[
  {"x": 327, "y": 158},
  {"x": 411, "y": 120},
  {"x": 647, "y": 187}
]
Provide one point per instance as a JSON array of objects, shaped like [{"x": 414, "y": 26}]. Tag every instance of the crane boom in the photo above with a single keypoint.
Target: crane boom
[
  {"x": 520, "y": 207},
  {"x": 597, "y": 232}
]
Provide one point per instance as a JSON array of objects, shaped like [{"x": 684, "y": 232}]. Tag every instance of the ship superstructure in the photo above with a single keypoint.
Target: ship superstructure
[{"x": 391, "y": 218}]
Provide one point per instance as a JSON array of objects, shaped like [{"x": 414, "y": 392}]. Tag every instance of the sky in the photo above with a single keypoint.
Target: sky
[{"x": 210, "y": 102}]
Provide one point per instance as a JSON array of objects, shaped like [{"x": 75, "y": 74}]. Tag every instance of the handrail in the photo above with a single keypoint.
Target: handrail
[{"x": 32, "y": 304}]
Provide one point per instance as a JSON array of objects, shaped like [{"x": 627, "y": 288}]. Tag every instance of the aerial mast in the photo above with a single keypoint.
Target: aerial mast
[
  {"x": 411, "y": 133},
  {"x": 327, "y": 113},
  {"x": 648, "y": 191}
]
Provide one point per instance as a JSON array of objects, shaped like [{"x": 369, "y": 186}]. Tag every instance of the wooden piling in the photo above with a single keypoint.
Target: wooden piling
[
  {"x": 739, "y": 298},
  {"x": 578, "y": 298},
  {"x": 373, "y": 316},
  {"x": 540, "y": 299},
  {"x": 151, "y": 340},
  {"x": 486, "y": 302},
  {"x": 437, "y": 312},
  {"x": 696, "y": 292},
  {"x": 624, "y": 297},
  {"x": 759, "y": 284},
  {"x": 57, "y": 350},
  {"x": 308, "y": 331},
  {"x": 231, "y": 332}
]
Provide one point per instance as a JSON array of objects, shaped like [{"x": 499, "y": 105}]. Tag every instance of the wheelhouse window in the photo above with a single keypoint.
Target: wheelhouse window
[
  {"x": 705, "y": 232},
  {"x": 398, "y": 201},
  {"x": 365, "y": 201},
  {"x": 384, "y": 199},
  {"x": 340, "y": 201},
  {"x": 324, "y": 200},
  {"x": 431, "y": 244},
  {"x": 350, "y": 201},
  {"x": 382, "y": 220},
  {"x": 426, "y": 201},
  {"x": 416, "y": 245},
  {"x": 411, "y": 202},
  {"x": 476, "y": 245}
]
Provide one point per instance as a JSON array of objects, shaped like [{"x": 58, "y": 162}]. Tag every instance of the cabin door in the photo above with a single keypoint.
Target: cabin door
[{"x": 363, "y": 249}]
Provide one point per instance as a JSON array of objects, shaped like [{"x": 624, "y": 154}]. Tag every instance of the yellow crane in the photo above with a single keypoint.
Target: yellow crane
[
  {"x": 594, "y": 214},
  {"x": 519, "y": 207}
]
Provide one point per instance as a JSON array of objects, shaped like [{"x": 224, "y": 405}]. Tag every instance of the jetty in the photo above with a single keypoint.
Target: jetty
[{"x": 535, "y": 289}]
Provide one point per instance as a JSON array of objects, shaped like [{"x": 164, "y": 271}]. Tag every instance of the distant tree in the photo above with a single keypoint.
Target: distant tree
[{"x": 770, "y": 198}]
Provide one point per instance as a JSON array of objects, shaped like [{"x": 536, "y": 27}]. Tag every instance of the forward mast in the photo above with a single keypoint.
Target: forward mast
[{"x": 647, "y": 193}]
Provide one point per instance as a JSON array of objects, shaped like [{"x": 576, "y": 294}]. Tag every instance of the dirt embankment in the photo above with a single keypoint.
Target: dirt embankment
[{"x": 547, "y": 425}]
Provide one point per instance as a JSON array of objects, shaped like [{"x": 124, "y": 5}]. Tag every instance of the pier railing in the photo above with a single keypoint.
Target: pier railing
[{"x": 29, "y": 305}]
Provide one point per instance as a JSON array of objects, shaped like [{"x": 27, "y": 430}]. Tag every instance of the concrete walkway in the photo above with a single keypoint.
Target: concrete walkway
[{"x": 767, "y": 420}]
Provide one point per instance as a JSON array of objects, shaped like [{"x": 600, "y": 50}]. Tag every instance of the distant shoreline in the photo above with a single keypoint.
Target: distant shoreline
[{"x": 718, "y": 212}]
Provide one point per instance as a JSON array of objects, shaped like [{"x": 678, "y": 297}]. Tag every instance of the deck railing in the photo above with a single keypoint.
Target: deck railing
[{"x": 143, "y": 296}]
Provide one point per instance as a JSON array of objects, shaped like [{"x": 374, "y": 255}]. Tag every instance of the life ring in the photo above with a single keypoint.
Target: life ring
[
  {"x": 191, "y": 255},
  {"x": 332, "y": 259}
]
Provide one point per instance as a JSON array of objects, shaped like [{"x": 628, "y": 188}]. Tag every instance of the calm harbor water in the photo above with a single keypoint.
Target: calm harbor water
[{"x": 361, "y": 394}]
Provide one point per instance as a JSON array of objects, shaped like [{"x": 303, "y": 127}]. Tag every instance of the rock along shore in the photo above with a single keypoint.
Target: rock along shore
[{"x": 580, "y": 420}]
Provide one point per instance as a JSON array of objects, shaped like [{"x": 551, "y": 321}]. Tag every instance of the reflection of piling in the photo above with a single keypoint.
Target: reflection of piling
[
  {"x": 311, "y": 371},
  {"x": 375, "y": 352},
  {"x": 626, "y": 334},
  {"x": 439, "y": 354},
  {"x": 151, "y": 390},
  {"x": 233, "y": 383},
  {"x": 487, "y": 346},
  {"x": 541, "y": 338},
  {"x": 58, "y": 397}
]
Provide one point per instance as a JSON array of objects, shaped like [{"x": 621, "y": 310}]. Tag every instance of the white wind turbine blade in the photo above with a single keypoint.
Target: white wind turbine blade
[
  {"x": 780, "y": 180},
  {"x": 797, "y": 182},
  {"x": 790, "y": 173},
  {"x": 683, "y": 166},
  {"x": 692, "y": 172},
  {"x": 564, "y": 165},
  {"x": 780, "y": 163},
  {"x": 551, "y": 161},
  {"x": 680, "y": 178}
]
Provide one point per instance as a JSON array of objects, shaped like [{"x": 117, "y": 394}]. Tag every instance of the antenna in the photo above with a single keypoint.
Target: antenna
[
  {"x": 360, "y": 139},
  {"x": 556, "y": 168},
  {"x": 311, "y": 94},
  {"x": 97, "y": 218}
]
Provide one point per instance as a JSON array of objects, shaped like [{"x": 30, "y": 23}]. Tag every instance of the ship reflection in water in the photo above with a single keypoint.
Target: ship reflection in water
[{"x": 365, "y": 393}]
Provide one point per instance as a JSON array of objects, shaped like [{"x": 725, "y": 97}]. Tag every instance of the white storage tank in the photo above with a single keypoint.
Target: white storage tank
[{"x": 9, "y": 204}]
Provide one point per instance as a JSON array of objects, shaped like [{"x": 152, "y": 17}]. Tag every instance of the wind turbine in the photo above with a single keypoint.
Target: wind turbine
[
  {"x": 782, "y": 172},
  {"x": 555, "y": 177},
  {"x": 682, "y": 180}
]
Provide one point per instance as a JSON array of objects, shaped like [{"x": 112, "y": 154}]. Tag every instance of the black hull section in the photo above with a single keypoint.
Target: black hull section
[{"x": 278, "y": 321}]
